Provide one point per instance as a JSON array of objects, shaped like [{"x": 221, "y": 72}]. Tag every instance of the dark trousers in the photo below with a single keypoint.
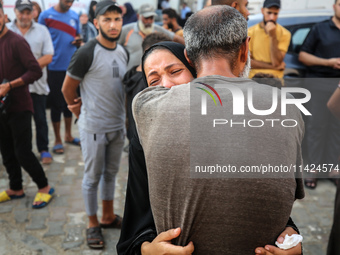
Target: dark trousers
[
  {"x": 16, "y": 149},
  {"x": 323, "y": 129},
  {"x": 334, "y": 238},
  {"x": 56, "y": 98},
  {"x": 39, "y": 105}
]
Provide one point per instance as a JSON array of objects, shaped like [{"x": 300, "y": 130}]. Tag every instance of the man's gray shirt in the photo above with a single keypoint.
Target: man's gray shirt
[
  {"x": 101, "y": 71},
  {"x": 41, "y": 44},
  {"x": 220, "y": 215}
]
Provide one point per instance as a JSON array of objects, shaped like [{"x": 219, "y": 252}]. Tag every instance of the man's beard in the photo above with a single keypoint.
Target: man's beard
[
  {"x": 145, "y": 30},
  {"x": 246, "y": 69},
  {"x": 23, "y": 24},
  {"x": 265, "y": 22},
  {"x": 64, "y": 7},
  {"x": 111, "y": 39},
  {"x": 171, "y": 26}
]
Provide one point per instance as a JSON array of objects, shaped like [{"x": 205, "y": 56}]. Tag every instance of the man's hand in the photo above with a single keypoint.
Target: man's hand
[
  {"x": 77, "y": 41},
  {"x": 270, "y": 29},
  {"x": 161, "y": 245},
  {"x": 75, "y": 108},
  {"x": 281, "y": 66},
  {"x": 273, "y": 250},
  {"x": 334, "y": 63},
  {"x": 4, "y": 89}
]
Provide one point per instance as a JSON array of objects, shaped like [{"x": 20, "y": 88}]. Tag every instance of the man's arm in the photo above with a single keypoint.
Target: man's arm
[
  {"x": 276, "y": 54},
  {"x": 256, "y": 64},
  {"x": 33, "y": 73},
  {"x": 311, "y": 60},
  {"x": 44, "y": 60},
  {"x": 334, "y": 103},
  {"x": 48, "y": 49},
  {"x": 69, "y": 90}
]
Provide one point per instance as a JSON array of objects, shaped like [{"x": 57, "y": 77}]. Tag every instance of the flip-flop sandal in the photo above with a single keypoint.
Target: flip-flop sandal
[
  {"x": 4, "y": 197},
  {"x": 57, "y": 149},
  {"x": 94, "y": 238},
  {"x": 44, "y": 156},
  {"x": 116, "y": 223},
  {"x": 75, "y": 141},
  {"x": 44, "y": 198}
]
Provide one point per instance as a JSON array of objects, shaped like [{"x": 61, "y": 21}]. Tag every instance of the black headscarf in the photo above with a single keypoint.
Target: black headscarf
[
  {"x": 130, "y": 15},
  {"x": 91, "y": 11},
  {"x": 175, "y": 48}
]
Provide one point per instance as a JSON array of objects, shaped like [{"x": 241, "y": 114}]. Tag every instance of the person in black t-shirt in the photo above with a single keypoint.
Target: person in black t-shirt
[{"x": 320, "y": 52}]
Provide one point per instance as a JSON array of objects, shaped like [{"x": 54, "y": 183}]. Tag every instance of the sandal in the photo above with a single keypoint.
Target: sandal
[
  {"x": 5, "y": 197},
  {"x": 46, "y": 157},
  {"x": 58, "y": 149},
  {"x": 311, "y": 183},
  {"x": 116, "y": 223},
  {"x": 94, "y": 238}
]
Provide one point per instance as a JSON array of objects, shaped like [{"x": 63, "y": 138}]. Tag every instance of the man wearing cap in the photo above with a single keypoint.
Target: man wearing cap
[
  {"x": 41, "y": 45},
  {"x": 269, "y": 42},
  {"x": 63, "y": 25},
  {"x": 99, "y": 67},
  {"x": 133, "y": 34}
]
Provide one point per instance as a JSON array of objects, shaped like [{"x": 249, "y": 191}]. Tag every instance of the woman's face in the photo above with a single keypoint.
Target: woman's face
[
  {"x": 163, "y": 68},
  {"x": 35, "y": 12}
]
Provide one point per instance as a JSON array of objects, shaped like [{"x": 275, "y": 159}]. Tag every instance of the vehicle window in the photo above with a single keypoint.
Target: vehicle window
[{"x": 298, "y": 38}]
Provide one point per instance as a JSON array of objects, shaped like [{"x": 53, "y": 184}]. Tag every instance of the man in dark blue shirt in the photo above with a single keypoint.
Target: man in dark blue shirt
[{"x": 321, "y": 54}]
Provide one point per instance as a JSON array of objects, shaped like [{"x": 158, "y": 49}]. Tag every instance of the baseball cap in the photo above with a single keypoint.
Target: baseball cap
[
  {"x": 147, "y": 10},
  {"x": 23, "y": 4},
  {"x": 102, "y": 7},
  {"x": 272, "y": 3}
]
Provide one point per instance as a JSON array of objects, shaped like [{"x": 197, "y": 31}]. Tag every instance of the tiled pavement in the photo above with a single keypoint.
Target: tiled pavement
[{"x": 60, "y": 227}]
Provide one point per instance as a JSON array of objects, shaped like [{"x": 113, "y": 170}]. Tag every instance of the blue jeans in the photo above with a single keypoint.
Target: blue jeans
[{"x": 39, "y": 106}]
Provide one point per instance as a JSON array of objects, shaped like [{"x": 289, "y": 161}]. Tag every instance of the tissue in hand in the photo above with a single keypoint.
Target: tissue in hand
[{"x": 290, "y": 241}]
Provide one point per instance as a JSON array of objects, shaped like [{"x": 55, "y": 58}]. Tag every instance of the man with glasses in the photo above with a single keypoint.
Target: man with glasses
[{"x": 63, "y": 25}]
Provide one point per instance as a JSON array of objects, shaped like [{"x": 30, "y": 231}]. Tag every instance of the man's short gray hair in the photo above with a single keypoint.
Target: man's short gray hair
[{"x": 215, "y": 32}]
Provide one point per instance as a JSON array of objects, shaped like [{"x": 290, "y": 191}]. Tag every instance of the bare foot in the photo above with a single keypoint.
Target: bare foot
[{"x": 11, "y": 192}]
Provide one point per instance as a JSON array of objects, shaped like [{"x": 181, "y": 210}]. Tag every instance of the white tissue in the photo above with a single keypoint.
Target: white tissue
[{"x": 290, "y": 241}]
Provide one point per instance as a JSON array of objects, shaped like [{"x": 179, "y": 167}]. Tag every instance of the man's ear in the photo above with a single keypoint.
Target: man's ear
[
  {"x": 95, "y": 23},
  {"x": 234, "y": 4},
  {"x": 187, "y": 58},
  {"x": 245, "y": 50},
  {"x": 262, "y": 11}
]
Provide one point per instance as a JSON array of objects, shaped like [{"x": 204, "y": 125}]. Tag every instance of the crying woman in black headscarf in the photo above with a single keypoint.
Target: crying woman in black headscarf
[{"x": 165, "y": 64}]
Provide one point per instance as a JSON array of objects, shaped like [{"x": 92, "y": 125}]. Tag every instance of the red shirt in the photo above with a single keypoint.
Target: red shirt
[{"x": 17, "y": 61}]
